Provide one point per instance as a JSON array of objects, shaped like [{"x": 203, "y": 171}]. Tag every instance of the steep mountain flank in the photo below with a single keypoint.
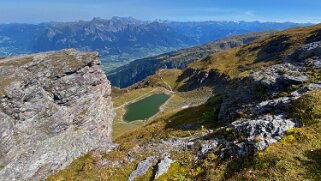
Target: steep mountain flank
[
  {"x": 139, "y": 69},
  {"x": 54, "y": 107},
  {"x": 240, "y": 62},
  {"x": 261, "y": 122}
]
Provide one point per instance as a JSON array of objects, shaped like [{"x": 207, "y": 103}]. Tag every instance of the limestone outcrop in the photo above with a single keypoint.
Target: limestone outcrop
[{"x": 54, "y": 107}]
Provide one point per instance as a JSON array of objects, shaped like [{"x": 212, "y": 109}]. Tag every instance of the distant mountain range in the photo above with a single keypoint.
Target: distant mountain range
[{"x": 122, "y": 39}]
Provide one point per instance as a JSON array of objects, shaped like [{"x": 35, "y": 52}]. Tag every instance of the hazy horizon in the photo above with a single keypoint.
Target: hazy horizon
[
  {"x": 38, "y": 11},
  {"x": 153, "y": 20}
]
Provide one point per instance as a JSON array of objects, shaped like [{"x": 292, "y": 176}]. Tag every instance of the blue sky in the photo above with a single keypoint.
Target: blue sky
[{"x": 34, "y": 11}]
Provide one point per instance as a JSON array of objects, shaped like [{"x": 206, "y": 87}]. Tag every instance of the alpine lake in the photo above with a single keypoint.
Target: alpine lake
[{"x": 145, "y": 108}]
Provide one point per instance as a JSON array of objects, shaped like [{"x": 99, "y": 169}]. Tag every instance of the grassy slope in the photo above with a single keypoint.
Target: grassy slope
[
  {"x": 165, "y": 126},
  {"x": 177, "y": 101},
  {"x": 296, "y": 157},
  {"x": 242, "y": 60},
  {"x": 163, "y": 81},
  {"x": 166, "y": 78}
]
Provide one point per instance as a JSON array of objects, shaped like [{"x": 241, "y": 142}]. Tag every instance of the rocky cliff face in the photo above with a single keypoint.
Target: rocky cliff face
[{"x": 54, "y": 107}]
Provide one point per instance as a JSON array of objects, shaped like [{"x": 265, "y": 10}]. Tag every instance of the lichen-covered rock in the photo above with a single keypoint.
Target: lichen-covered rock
[
  {"x": 206, "y": 147},
  {"x": 163, "y": 166},
  {"x": 258, "y": 86},
  {"x": 250, "y": 135},
  {"x": 54, "y": 107},
  {"x": 142, "y": 168},
  {"x": 285, "y": 73},
  {"x": 254, "y": 107},
  {"x": 307, "y": 51},
  {"x": 263, "y": 130},
  {"x": 310, "y": 87}
]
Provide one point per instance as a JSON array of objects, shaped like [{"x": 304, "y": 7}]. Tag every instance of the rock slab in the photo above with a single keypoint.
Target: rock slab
[
  {"x": 54, "y": 107},
  {"x": 163, "y": 166},
  {"x": 142, "y": 168}
]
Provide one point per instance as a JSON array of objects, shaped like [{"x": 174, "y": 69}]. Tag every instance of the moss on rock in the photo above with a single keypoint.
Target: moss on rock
[{"x": 308, "y": 107}]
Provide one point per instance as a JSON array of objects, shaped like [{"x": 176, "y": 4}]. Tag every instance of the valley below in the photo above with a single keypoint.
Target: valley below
[{"x": 246, "y": 107}]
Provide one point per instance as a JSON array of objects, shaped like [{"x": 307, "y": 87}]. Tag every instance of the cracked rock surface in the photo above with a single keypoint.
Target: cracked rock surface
[{"x": 54, "y": 107}]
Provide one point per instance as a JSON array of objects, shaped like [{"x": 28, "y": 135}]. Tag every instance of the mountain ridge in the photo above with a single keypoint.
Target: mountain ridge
[
  {"x": 264, "y": 98},
  {"x": 139, "y": 69},
  {"x": 121, "y": 39}
]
